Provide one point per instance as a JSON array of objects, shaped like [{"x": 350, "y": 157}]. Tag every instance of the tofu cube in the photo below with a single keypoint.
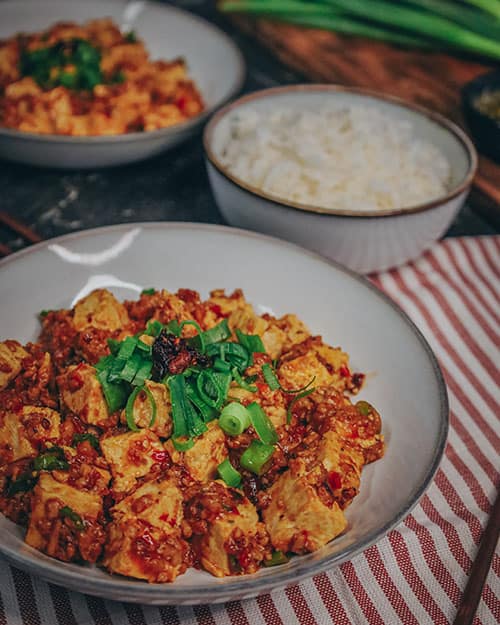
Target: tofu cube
[
  {"x": 81, "y": 393},
  {"x": 234, "y": 541},
  {"x": 135, "y": 548},
  {"x": 23, "y": 433},
  {"x": 312, "y": 358},
  {"x": 11, "y": 358},
  {"x": 131, "y": 456},
  {"x": 158, "y": 502},
  {"x": 100, "y": 309},
  {"x": 143, "y": 410},
  {"x": 296, "y": 518},
  {"x": 57, "y": 513}
]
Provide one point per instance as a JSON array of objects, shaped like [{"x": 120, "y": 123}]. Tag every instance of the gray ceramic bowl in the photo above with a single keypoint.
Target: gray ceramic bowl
[
  {"x": 363, "y": 240},
  {"x": 214, "y": 63},
  {"x": 405, "y": 383}
]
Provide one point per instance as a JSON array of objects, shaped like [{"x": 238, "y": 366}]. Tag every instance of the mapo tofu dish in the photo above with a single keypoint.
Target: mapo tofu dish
[
  {"x": 155, "y": 435},
  {"x": 90, "y": 79}
]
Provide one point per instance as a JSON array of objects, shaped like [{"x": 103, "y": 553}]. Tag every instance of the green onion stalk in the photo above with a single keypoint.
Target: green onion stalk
[{"x": 472, "y": 27}]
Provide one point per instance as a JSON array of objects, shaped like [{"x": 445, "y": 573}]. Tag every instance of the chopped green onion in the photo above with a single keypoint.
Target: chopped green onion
[
  {"x": 115, "y": 394},
  {"x": 277, "y": 557},
  {"x": 223, "y": 380},
  {"x": 218, "y": 333},
  {"x": 364, "y": 408},
  {"x": 173, "y": 327},
  {"x": 221, "y": 365},
  {"x": 206, "y": 381},
  {"x": 125, "y": 370},
  {"x": 43, "y": 313},
  {"x": 22, "y": 484},
  {"x": 114, "y": 346},
  {"x": 184, "y": 445},
  {"x": 293, "y": 391},
  {"x": 127, "y": 347},
  {"x": 256, "y": 457},
  {"x": 143, "y": 373},
  {"x": 130, "y": 37},
  {"x": 53, "y": 459},
  {"x": 177, "y": 387},
  {"x": 68, "y": 513},
  {"x": 86, "y": 436},
  {"x": 296, "y": 399},
  {"x": 251, "y": 388},
  {"x": 207, "y": 412},
  {"x": 262, "y": 424},
  {"x": 150, "y": 291},
  {"x": 129, "y": 408},
  {"x": 153, "y": 328},
  {"x": 234, "y": 419},
  {"x": 270, "y": 377},
  {"x": 199, "y": 336},
  {"x": 234, "y": 353},
  {"x": 144, "y": 347},
  {"x": 229, "y": 474},
  {"x": 251, "y": 342},
  {"x": 104, "y": 363}
]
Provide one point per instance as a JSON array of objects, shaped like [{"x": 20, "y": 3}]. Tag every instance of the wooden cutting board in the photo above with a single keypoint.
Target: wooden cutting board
[{"x": 432, "y": 79}]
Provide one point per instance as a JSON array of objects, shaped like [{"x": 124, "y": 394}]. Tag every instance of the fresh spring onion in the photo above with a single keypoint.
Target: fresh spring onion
[
  {"x": 277, "y": 557},
  {"x": 262, "y": 424},
  {"x": 468, "y": 25},
  {"x": 364, "y": 408},
  {"x": 270, "y": 377},
  {"x": 234, "y": 419},
  {"x": 53, "y": 459},
  {"x": 251, "y": 342},
  {"x": 218, "y": 333},
  {"x": 22, "y": 484},
  {"x": 207, "y": 412},
  {"x": 229, "y": 474},
  {"x": 295, "y": 400},
  {"x": 256, "y": 457},
  {"x": 150, "y": 291},
  {"x": 182, "y": 445},
  {"x": 86, "y": 436},
  {"x": 233, "y": 353},
  {"x": 243, "y": 383},
  {"x": 129, "y": 408},
  {"x": 208, "y": 388},
  {"x": 115, "y": 394},
  {"x": 68, "y": 513}
]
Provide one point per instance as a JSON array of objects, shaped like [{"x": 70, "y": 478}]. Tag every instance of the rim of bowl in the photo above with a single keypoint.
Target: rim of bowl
[
  {"x": 437, "y": 118},
  {"x": 13, "y": 133}
]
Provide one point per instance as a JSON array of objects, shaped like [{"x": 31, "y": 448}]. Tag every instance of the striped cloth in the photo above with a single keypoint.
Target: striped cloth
[{"x": 416, "y": 574}]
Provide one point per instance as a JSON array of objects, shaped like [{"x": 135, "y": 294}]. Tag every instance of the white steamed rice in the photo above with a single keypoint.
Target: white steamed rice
[{"x": 350, "y": 158}]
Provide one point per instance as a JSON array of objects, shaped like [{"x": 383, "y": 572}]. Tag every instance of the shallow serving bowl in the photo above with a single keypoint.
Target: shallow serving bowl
[
  {"x": 214, "y": 63},
  {"x": 364, "y": 241},
  {"x": 404, "y": 381}
]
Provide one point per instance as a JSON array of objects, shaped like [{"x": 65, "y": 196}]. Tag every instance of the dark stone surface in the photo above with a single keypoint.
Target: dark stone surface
[{"x": 171, "y": 187}]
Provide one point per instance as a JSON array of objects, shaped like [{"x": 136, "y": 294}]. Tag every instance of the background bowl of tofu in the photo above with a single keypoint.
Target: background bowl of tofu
[
  {"x": 403, "y": 381},
  {"x": 213, "y": 62}
]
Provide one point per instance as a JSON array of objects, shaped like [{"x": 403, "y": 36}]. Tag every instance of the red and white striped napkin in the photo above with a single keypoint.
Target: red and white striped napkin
[{"x": 417, "y": 573}]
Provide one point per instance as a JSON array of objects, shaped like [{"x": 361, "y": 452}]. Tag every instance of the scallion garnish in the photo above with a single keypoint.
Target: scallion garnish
[
  {"x": 53, "y": 459},
  {"x": 183, "y": 445},
  {"x": 256, "y": 457},
  {"x": 199, "y": 336},
  {"x": 251, "y": 342},
  {"x": 22, "y": 484},
  {"x": 277, "y": 557},
  {"x": 129, "y": 408},
  {"x": 270, "y": 377},
  {"x": 296, "y": 399},
  {"x": 251, "y": 388},
  {"x": 208, "y": 388},
  {"x": 262, "y": 424},
  {"x": 153, "y": 328},
  {"x": 177, "y": 387},
  {"x": 150, "y": 291},
  {"x": 229, "y": 474},
  {"x": 234, "y": 419},
  {"x": 218, "y": 333},
  {"x": 234, "y": 353},
  {"x": 86, "y": 436},
  {"x": 115, "y": 394},
  {"x": 207, "y": 412},
  {"x": 68, "y": 513}
]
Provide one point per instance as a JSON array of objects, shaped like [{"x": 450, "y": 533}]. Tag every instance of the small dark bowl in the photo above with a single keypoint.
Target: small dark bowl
[{"x": 484, "y": 129}]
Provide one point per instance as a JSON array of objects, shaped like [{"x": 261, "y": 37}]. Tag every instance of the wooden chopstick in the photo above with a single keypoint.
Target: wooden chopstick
[
  {"x": 487, "y": 188},
  {"x": 16, "y": 226},
  {"x": 480, "y": 568},
  {"x": 19, "y": 228}
]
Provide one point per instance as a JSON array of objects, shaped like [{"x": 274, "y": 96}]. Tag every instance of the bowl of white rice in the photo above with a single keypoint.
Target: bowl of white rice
[{"x": 365, "y": 179}]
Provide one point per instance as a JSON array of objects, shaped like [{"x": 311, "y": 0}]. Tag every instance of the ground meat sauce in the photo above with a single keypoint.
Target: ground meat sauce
[{"x": 115, "y": 475}]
